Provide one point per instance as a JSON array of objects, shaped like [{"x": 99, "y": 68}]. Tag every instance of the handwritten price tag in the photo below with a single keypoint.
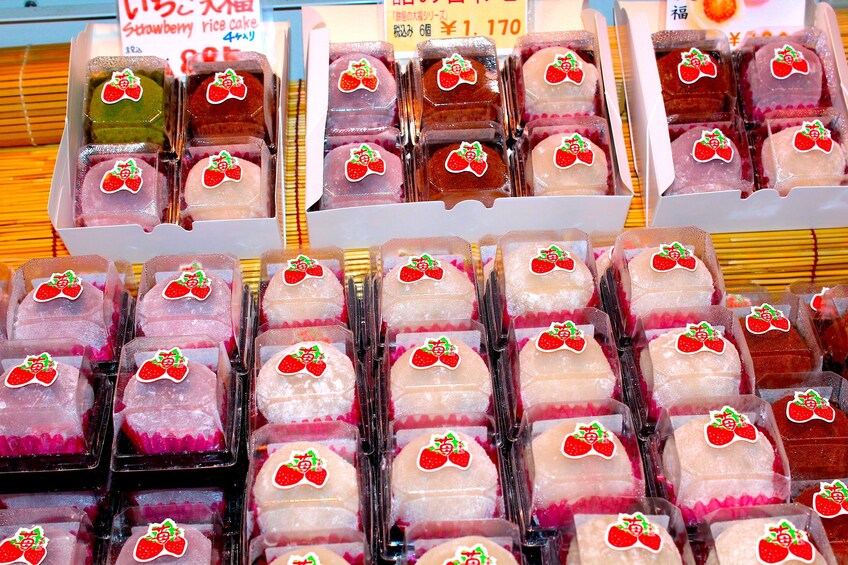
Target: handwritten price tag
[
  {"x": 768, "y": 17},
  {"x": 178, "y": 29},
  {"x": 409, "y": 22}
]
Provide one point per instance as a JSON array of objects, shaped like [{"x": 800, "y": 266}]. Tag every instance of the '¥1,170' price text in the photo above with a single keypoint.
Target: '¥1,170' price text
[{"x": 503, "y": 27}]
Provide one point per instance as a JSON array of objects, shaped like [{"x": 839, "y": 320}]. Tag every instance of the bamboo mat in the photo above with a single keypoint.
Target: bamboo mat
[{"x": 771, "y": 259}]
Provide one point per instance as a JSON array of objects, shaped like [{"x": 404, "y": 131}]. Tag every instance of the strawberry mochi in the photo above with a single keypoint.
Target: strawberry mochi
[
  {"x": 422, "y": 383},
  {"x": 363, "y": 93},
  {"x": 697, "y": 80},
  {"x": 459, "y": 87},
  {"x": 290, "y": 505},
  {"x": 700, "y": 472},
  {"x": 447, "y": 492},
  {"x": 569, "y": 466},
  {"x": 564, "y": 374},
  {"x": 291, "y": 389},
  {"x": 242, "y": 193},
  {"x": 781, "y": 78},
  {"x": 350, "y": 179},
  {"x": 45, "y": 411},
  {"x": 466, "y": 170},
  {"x": 127, "y": 120},
  {"x": 590, "y": 546},
  {"x": 58, "y": 544},
  {"x": 560, "y": 168},
  {"x": 158, "y": 316},
  {"x": 448, "y": 551},
  {"x": 300, "y": 556},
  {"x": 292, "y": 298},
  {"x": 790, "y": 158},
  {"x": 107, "y": 199},
  {"x": 172, "y": 410},
  {"x": 539, "y": 278},
  {"x": 451, "y": 296},
  {"x": 739, "y": 542},
  {"x": 197, "y": 548},
  {"x": 672, "y": 375},
  {"x": 86, "y": 320},
  {"x": 234, "y": 113},
  {"x": 712, "y": 171},
  {"x": 814, "y": 433},
  {"x": 671, "y": 289},
  {"x": 558, "y": 82}
]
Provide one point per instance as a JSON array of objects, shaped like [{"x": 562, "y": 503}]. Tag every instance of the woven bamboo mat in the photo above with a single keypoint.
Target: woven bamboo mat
[{"x": 772, "y": 259}]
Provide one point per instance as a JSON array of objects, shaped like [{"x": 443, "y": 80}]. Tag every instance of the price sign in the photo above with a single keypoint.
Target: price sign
[
  {"x": 178, "y": 29},
  {"x": 409, "y": 22},
  {"x": 768, "y": 17}
]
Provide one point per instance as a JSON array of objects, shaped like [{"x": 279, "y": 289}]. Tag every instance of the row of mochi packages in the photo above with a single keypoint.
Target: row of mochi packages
[
  {"x": 158, "y": 150},
  {"x": 457, "y": 107}
]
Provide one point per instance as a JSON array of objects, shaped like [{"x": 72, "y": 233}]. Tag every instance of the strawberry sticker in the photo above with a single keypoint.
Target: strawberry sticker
[
  {"x": 564, "y": 68},
  {"x": 573, "y": 150},
  {"x": 549, "y": 259},
  {"x": 165, "y": 365},
  {"x": 419, "y": 268},
  {"x": 727, "y": 426},
  {"x": 673, "y": 256},
  {"x": 831, "y": 500},
  {"x": 36, "y": 369},
  {"x": 192, "y": 284},
  {"x": 694, "y": 65},
  {"x": 359, "y": 75},
  {"x": 476, "y": 555},
  {"x": 363, "y": 162},
  {"x": 787, "y": 62},
  {"x": 712, "y": 145},
  {"x": 783, "y": 542},
  {"x": 28, "y": 545},
  {"x": 809, "y": 405},
  {"x": 436, "y": 353},
  {"x": 765, "y": 318},
  {"x": 226, "y": 85},
  {"x": 813, "y": 136},
  {"x": 469, "y": 157},
  {"x": 817, "y": 300},
  {"x": 632, "y": 531},
  {"x": 123, "y": 85},
  {"x": 309, "y": 559},
  {"x": 305, "y": 361},
  {"x": 455, "y": 70},
  {"x": 699, "y": 337},
  {"x": 163, "y": 539},
  {"x": 302, "y": 468},
  {"x": 125, "y": 175},
  {"x": 222, "y": 168},
  {"x": 300, "y": 269},
  {"x": 588, "y": 439},
  {"x": 61, "y": 285},
  {"x": 562, "y": 336},
  {"x": 444, "y": 451}
]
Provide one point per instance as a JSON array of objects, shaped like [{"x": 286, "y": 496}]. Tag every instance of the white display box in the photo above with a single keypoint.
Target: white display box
[
  {"x": 367, "y": 226},
  {"x": 717, "y": 212},
  {"x": 246, "y": 238}
]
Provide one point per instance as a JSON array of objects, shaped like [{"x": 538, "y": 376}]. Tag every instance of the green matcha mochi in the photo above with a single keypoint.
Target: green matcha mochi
[{"x": 127, "y": 121}]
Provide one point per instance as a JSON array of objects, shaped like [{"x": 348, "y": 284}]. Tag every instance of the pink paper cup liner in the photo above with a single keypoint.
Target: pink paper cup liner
[
  {"x": 44, "y": 444},
  {"x": 557, "y": 515},
  {"x": 158, "y": 444},
  {"x": 694, "y": 514}
]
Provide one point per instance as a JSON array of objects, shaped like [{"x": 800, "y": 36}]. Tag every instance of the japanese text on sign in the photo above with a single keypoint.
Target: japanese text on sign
[
  {"x": 766, "y": 17},
  {"x": 176, "y": 30},
  {"x": 409, "y": 22}
]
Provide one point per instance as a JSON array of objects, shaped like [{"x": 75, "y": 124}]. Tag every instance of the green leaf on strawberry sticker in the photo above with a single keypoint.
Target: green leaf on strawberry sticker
[
  {"x": 309, "y": 559},
  {"x": 476, "y": 555}
]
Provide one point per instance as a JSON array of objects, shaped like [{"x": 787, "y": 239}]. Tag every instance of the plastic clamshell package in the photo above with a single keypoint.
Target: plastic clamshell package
[
  {"x": 79, "y": 298},
  {"x": 177, "y": 406}
]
